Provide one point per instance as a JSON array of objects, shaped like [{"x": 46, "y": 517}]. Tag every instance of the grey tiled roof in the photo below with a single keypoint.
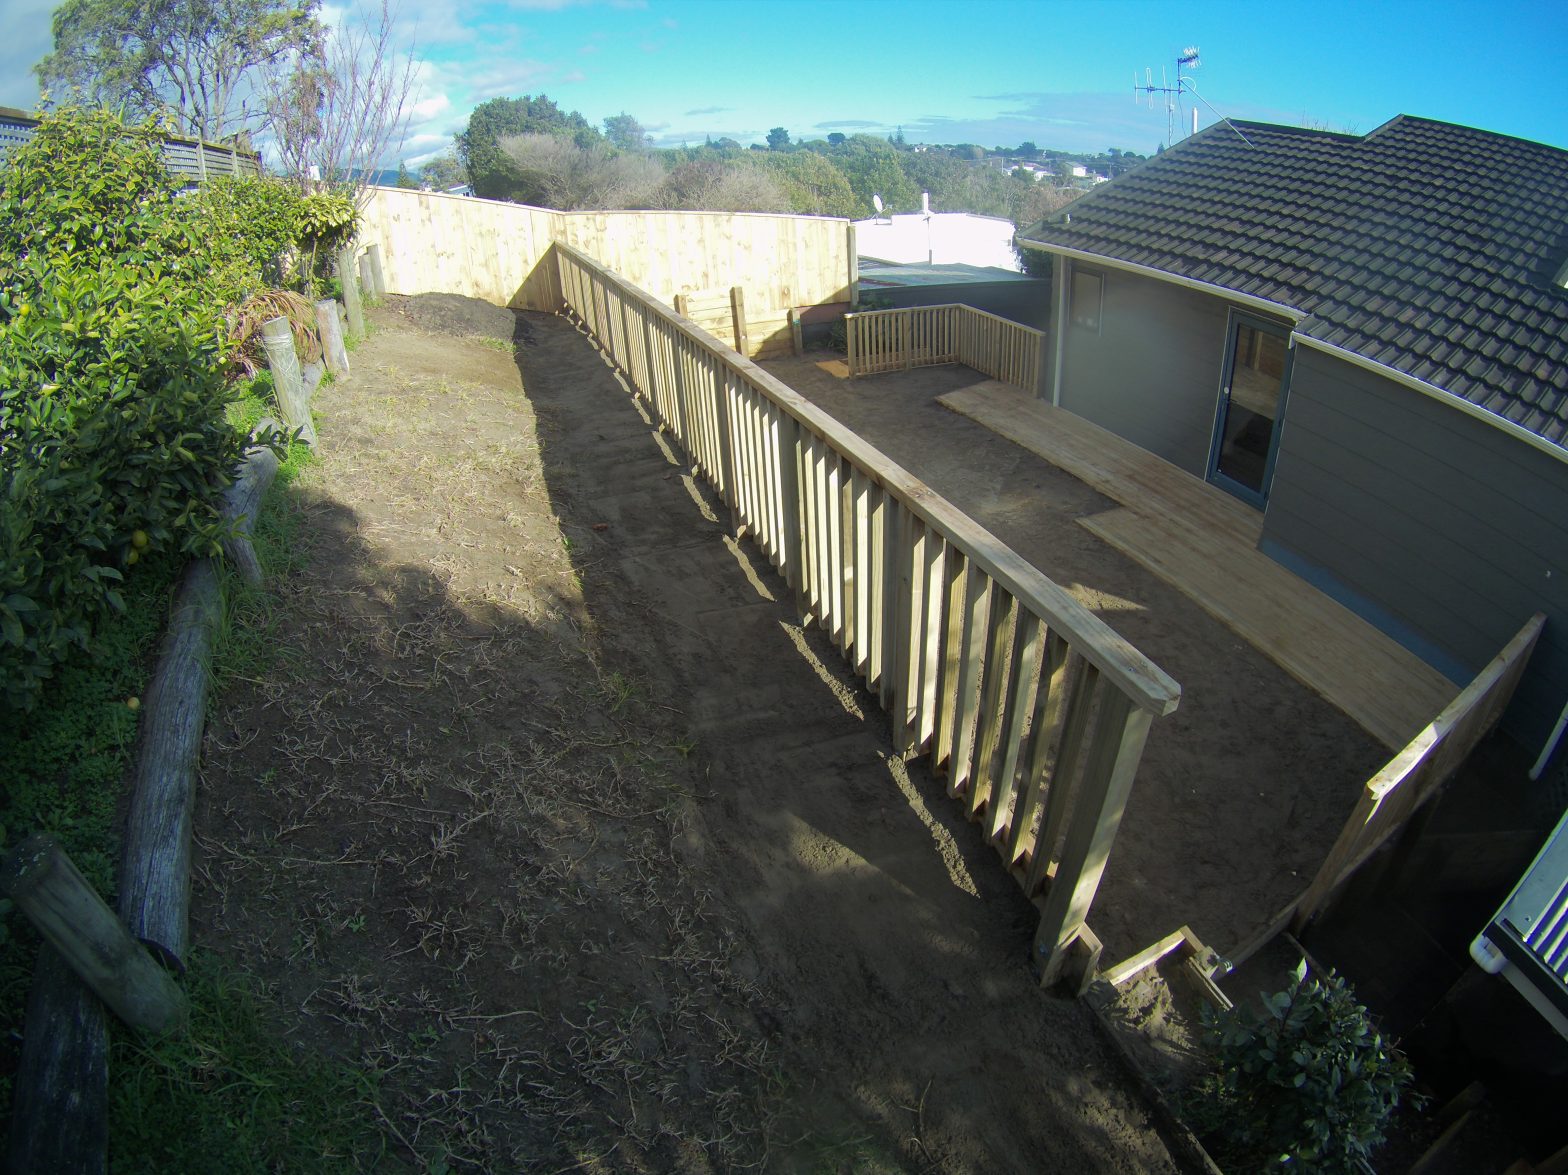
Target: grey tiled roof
[{"x": 1430, "y": 248}]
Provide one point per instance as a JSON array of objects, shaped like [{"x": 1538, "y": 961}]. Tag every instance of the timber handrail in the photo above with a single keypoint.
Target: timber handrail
[{"x": 1034, "y": 710}]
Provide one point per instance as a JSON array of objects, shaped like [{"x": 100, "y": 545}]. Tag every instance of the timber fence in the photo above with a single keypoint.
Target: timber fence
[
  {"x": 186, "y": 158},
  {"x": 927, "y": 336},
  {"x": 1032, "y": 709}
]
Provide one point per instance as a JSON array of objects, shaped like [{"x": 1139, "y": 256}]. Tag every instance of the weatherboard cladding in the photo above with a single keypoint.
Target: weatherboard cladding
[{"x": 1429, "y": 248}]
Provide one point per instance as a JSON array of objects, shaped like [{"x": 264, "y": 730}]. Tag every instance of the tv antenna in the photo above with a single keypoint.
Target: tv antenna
[{"x": 1172, "y": 91}]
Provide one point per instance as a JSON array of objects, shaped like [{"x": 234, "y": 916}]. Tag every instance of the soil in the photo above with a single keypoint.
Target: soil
[
  {"x": 1243, "y": 789},
  {"x": 548, "y": 811}
]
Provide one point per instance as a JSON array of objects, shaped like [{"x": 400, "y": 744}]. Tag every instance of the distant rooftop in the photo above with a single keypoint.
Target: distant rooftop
[
  {"x": 875, "y": 273},
  {"x": 1432, "y": 249}
]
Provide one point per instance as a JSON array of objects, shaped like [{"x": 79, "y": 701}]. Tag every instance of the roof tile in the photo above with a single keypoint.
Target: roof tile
[{"x": 1423, "y": 245}]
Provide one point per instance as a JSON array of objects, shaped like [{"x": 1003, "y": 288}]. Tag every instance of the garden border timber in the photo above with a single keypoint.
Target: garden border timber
[{"x": 875, "y": 557}]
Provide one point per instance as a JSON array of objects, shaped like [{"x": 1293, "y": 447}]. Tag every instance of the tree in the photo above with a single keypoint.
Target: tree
[
  {"x": 192, "y": 61},
  {"x": 443, "y": 172},
  {"x": 714, "y": 186},
  {"x": 836, "y": 139},
  {"x": 812, "y": 184},
  {"x": 479, "y": 145},
  {"x": 340, "y": 104},
  {"x": 552, "y": 171},
  {"x": 404, "y": 180},
  {"x": 778, "y": 139},
  {"x": 625, "y": 133}
]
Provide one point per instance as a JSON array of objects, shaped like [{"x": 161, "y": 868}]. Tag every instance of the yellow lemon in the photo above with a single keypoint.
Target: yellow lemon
[
  {"x": 139, "y": 539},
  {"x": 133, "y": 703}
]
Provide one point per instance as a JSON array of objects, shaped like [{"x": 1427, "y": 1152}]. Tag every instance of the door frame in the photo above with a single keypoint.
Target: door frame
[{"x": 1212, "y": 473}]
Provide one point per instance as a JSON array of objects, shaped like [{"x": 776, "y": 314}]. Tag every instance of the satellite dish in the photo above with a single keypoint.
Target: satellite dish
[{"x": 876, "y": 202}]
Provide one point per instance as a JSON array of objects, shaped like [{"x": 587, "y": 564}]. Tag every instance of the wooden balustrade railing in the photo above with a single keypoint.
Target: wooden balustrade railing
[
  {"x": 925, "y": 336},
  {"x": 1033, "y": 710}
]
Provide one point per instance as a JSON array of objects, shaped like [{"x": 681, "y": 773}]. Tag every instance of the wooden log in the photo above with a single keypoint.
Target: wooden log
[
  {"x": 242, "y": 503},
  {"x": 331, "y": 330},
  {"x": 348, "y": 278},
  {"x": 155, "y": 866},
  {"x": 367, "y": 282},
  {"x": 60, "y": 1098},
  {"x": 277, "y": 340},
  {"x": 378, "y": 282},
  {"x": 47, "y": 886}
]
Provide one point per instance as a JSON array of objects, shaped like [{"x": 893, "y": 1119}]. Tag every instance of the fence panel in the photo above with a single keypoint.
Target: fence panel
[{"x": 1032, "y": 708}]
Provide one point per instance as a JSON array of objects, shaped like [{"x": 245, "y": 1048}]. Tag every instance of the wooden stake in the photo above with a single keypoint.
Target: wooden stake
[
  {"x": 277, "y": 340},
  {"x": 46, "y": 886},
  {"x": 372, "y": 262},
  {"x": 331, "y": 329},
  {"x": 349, "y": 280}
]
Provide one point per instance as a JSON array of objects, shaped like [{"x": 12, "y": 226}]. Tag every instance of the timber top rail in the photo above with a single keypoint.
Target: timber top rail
[
  {"x": 1033, "y": 709},
  {"x": 1150, "y": 687}
]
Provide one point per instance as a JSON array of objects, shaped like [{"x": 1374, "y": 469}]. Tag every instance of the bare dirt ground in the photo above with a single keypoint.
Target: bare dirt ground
[
  {"x": 1244, "y": 788},
  {"x": 548, "y": 813}
]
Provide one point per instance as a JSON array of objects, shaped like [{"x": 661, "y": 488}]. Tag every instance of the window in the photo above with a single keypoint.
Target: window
[{"x": 1087, "y": 296}]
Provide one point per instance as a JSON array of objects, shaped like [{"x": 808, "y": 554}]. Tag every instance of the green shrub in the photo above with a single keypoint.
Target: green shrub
[
  {"x": 251, "y": 224},
  {"x": 326, "y": 221},
  {"x": 113, "y": 435},
  {"x": 1307, "y": 1084}
]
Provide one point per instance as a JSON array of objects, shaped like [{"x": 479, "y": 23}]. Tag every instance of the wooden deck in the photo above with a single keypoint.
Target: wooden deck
[{"x": 1204, "y": 542}]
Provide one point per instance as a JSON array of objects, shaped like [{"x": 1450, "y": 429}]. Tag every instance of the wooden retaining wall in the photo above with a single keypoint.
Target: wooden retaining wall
[
  {"x": 924, "y": 336},
  {"x": 435, "y": 243},
  {"x": 1032, "y": 709}
]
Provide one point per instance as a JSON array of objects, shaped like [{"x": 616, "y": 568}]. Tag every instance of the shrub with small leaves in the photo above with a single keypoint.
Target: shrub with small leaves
[
  {"x": 251, "y": 224},
  {"x": 1307, "y": 1084},
  {"x": 113, "y": 432},
  {"x": 326, "y": 222}
]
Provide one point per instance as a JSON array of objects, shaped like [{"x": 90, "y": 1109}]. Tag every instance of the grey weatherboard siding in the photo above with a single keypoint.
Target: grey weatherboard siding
[
  {"x": 1152, "y": 372},
  {"x": 1453, "y": 528}
]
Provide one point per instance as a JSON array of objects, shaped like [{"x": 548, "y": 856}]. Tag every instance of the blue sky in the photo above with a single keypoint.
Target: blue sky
[{"x": 995, "y": 72}]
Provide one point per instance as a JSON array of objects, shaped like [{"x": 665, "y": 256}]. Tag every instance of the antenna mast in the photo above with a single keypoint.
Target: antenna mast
[{"x": 1188, "y": 57}]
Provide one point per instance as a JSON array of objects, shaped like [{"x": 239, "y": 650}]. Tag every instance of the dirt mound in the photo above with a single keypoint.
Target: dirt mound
[{"x": 448, "y": 314}]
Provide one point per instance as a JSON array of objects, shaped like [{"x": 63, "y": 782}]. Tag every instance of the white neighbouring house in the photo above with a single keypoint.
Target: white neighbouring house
[{"x": 940, "y": 238}]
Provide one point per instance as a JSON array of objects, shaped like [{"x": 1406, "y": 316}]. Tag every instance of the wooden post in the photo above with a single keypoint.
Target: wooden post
[
  {"x": 738, "y": 309},
  {"x": 367, "y": 281},
  {"x": 348, "y": 279},
  {"x": 331, "y": 329},
  {"x": 797, "y": 338},
  {"x": 849, "y": 344},
  {"x": 155, "y": 870},
  {"x": 277, "y": 340},
  {"x": 1112, "y": 761},
  {"x": 60, "y": 1093},
  {"x": 57, "y": 899},
  {"x": 378, "y": 281}
]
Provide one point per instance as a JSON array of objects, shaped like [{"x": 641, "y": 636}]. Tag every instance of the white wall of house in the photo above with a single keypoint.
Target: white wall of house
[{"x": 942, "y": 238}]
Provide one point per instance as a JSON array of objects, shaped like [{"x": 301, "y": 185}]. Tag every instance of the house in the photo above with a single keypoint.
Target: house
[
  {"x": 937, "y": 238},
  {"x": 1366, "y": 339}
]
